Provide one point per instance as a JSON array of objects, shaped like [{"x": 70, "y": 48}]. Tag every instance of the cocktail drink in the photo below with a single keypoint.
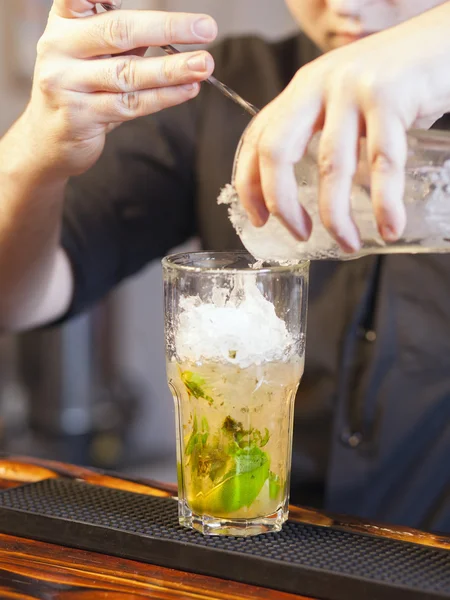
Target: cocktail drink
[{"x": 235, "y": 339}]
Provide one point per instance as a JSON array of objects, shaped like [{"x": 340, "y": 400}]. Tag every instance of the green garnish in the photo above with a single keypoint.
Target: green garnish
[
  {"x": 249, "y": 459},
  {"x": 245, "y": 437},
  {"x": 274, "y": 485},
  {"x": 218, "y": 464},
  {"x": 231, "y": 426},
  {"x": 262, "y": 440},
  {"x": 232, "y": 353},
  {"x": 197, "y": 437},
  {"x": 234, "y": 462},
  {"x": 194, "y": 384}
]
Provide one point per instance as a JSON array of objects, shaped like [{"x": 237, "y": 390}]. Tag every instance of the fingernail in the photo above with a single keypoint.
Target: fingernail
[
  {"x": 262, "y": 213},
  {"x": 256, "y": 220},
  {"x": 205, "y": 28},
  {"x": 190, "y": 87},
  {"x": 351, "y": 241},
  {"x": 299, "y": 225},
  {"x": 388, "y": 233},
  {"x": 197, "y": 62}
]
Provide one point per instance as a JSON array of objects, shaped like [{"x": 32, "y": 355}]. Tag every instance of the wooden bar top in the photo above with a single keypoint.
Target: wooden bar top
[{"x": 31, "y": 569}]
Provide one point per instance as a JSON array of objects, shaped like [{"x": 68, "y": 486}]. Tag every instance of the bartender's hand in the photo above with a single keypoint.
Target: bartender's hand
[
  {"x": 378, "y": 87},
  {"x": 91, "y": 76}
]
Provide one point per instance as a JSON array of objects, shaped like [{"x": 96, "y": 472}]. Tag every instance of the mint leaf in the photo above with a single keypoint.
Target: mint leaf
[
  {"x": 192, "y": 442},
  {"x": 219, "y": 463},
  {"x": 234, "y": 462},
  {"x": 196, "y": 445},
  {"x": 244, "y": 438},
  {"x": 241, "y": 488},
  {"x": 232, "y": 427},
  {"x": 249, "y": 459},
  {"x": 194, "y": 384},
  {"x": 265, "y": 439},
  {"x": 274, "y": 485}
]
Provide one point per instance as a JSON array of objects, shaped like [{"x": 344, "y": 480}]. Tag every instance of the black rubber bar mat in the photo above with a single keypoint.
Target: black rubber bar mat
[{"x": 308, "y": 560}]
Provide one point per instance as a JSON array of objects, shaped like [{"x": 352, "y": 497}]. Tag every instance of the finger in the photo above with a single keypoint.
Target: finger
[
  {"x": 387, "y": 150},
  {"x": 280, "y": 190},
  {"x": 276, "y": 141},
  {"x": 118, "y": 108},
  {"x": 132, "y": 73},
  {"x": 71, "y": 9},
  {"x": 281, "y": 146},
  {"x": 247, "y": 180},
  {"x": 117, "y": 32},
  {"x": 337, "y": 163}
]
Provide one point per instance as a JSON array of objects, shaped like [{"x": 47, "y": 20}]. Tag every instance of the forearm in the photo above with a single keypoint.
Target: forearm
[{"x": 34, "y": 279}]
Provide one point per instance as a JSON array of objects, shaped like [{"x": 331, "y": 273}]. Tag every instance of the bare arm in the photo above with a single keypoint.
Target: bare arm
[
  {"x": 35, "y": 276},
  {"x": 76, "y": 99}
]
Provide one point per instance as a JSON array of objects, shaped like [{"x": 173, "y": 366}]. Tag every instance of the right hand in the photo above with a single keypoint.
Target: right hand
[{"x": 91, "y": 75}]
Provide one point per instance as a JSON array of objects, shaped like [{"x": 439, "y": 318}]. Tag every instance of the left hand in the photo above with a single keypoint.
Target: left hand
[{"x": 378, "y": 87}]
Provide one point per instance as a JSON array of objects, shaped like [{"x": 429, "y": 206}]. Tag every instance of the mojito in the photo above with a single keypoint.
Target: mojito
[
  {"x": 235, "y": 427},
  {"x": 235, "y": 356}
]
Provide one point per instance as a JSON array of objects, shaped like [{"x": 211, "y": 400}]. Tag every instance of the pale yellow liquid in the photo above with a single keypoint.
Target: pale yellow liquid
[{"x": 257, "y": 400}]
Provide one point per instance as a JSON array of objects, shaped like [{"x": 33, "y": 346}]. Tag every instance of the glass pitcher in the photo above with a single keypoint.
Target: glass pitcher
[{"x": 426, "y": 198}]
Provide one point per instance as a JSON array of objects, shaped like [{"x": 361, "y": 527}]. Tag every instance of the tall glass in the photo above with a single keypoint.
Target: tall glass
[{"x": 235, "y": 343}]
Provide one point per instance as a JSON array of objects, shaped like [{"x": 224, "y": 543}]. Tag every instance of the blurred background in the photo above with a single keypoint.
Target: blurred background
[{"x": 94, "y": 391}]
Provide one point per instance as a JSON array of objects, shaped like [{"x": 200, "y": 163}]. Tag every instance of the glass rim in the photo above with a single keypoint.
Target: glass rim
[{"x": 170, "y": 262}]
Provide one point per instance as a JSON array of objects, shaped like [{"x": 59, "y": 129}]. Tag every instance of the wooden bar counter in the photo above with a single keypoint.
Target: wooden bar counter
[{"x": 31, "y": 569}]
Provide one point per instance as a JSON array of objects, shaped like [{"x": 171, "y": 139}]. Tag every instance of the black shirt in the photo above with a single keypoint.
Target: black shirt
[{"x": 372, "y": 421}]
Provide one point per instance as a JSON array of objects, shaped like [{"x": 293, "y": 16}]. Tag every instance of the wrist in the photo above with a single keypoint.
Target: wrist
[{"x": 30, "y": 155}]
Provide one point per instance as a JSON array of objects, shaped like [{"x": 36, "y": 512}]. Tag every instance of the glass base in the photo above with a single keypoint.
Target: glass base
[{"x": 233, "y": 527}]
